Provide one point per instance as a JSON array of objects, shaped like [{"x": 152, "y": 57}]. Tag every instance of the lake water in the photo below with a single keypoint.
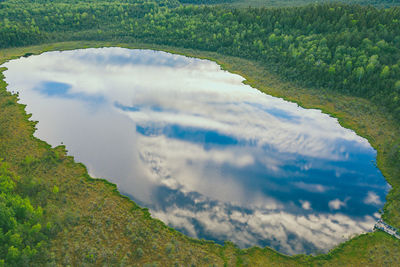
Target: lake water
[{"x": 208, "y": 155}]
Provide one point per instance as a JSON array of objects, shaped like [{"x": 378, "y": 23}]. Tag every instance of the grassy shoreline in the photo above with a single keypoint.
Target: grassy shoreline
[{"x": 360, "y": 115}]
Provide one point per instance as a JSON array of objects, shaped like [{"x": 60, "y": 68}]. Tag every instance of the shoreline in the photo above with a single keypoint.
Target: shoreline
[{"x": 260, "y": 79}]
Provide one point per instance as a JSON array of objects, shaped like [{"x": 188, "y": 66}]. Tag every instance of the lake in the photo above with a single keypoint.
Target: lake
[{"x": 208, "y": 155}]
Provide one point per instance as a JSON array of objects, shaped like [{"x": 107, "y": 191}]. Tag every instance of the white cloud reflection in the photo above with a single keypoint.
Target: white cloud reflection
[
  {"x": 372, "y": 198},
  {"x": 289, "y": 233},
  {"x": 336, "y": 204},
  {"x": 149, "y": 85},
  {"x": 311, "y": 187},
  {"x": 305, "y": 204},
  {"x": 215, "y": 158}
]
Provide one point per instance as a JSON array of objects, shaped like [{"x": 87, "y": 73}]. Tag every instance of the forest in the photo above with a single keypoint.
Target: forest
[
  {"x": 352, "y": 50},
  {"x": 346, "y": 48}
]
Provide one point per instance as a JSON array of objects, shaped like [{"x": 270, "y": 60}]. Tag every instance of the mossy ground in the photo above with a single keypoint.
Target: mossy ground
[{"x": 101, "y": 227}]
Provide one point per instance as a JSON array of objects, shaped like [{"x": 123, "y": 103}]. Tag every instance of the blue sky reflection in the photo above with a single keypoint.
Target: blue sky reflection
[{"x": 207, "y": 154}]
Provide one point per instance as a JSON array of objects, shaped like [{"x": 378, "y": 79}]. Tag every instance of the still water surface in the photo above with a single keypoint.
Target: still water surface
[{"x": 210, "y": 156}]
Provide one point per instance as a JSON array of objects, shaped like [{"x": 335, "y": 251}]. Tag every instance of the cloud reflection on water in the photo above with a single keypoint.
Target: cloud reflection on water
[{"x": 207, "y": 154}]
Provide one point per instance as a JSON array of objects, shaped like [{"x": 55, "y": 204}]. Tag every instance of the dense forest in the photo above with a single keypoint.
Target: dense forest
[{"x": 349, "y": 49}]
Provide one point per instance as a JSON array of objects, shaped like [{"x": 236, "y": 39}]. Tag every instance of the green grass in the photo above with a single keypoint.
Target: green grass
[{"x": 98, "y": 226}]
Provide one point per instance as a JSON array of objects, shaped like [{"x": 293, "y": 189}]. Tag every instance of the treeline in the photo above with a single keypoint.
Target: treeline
[
  {"x": 347, "y": 48},
  {"x": 206, "y": 2},
  {"x": 351, "y": 49},
  {"x": 287, "y": 3},
  {"x": 379, "y": 3}
]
